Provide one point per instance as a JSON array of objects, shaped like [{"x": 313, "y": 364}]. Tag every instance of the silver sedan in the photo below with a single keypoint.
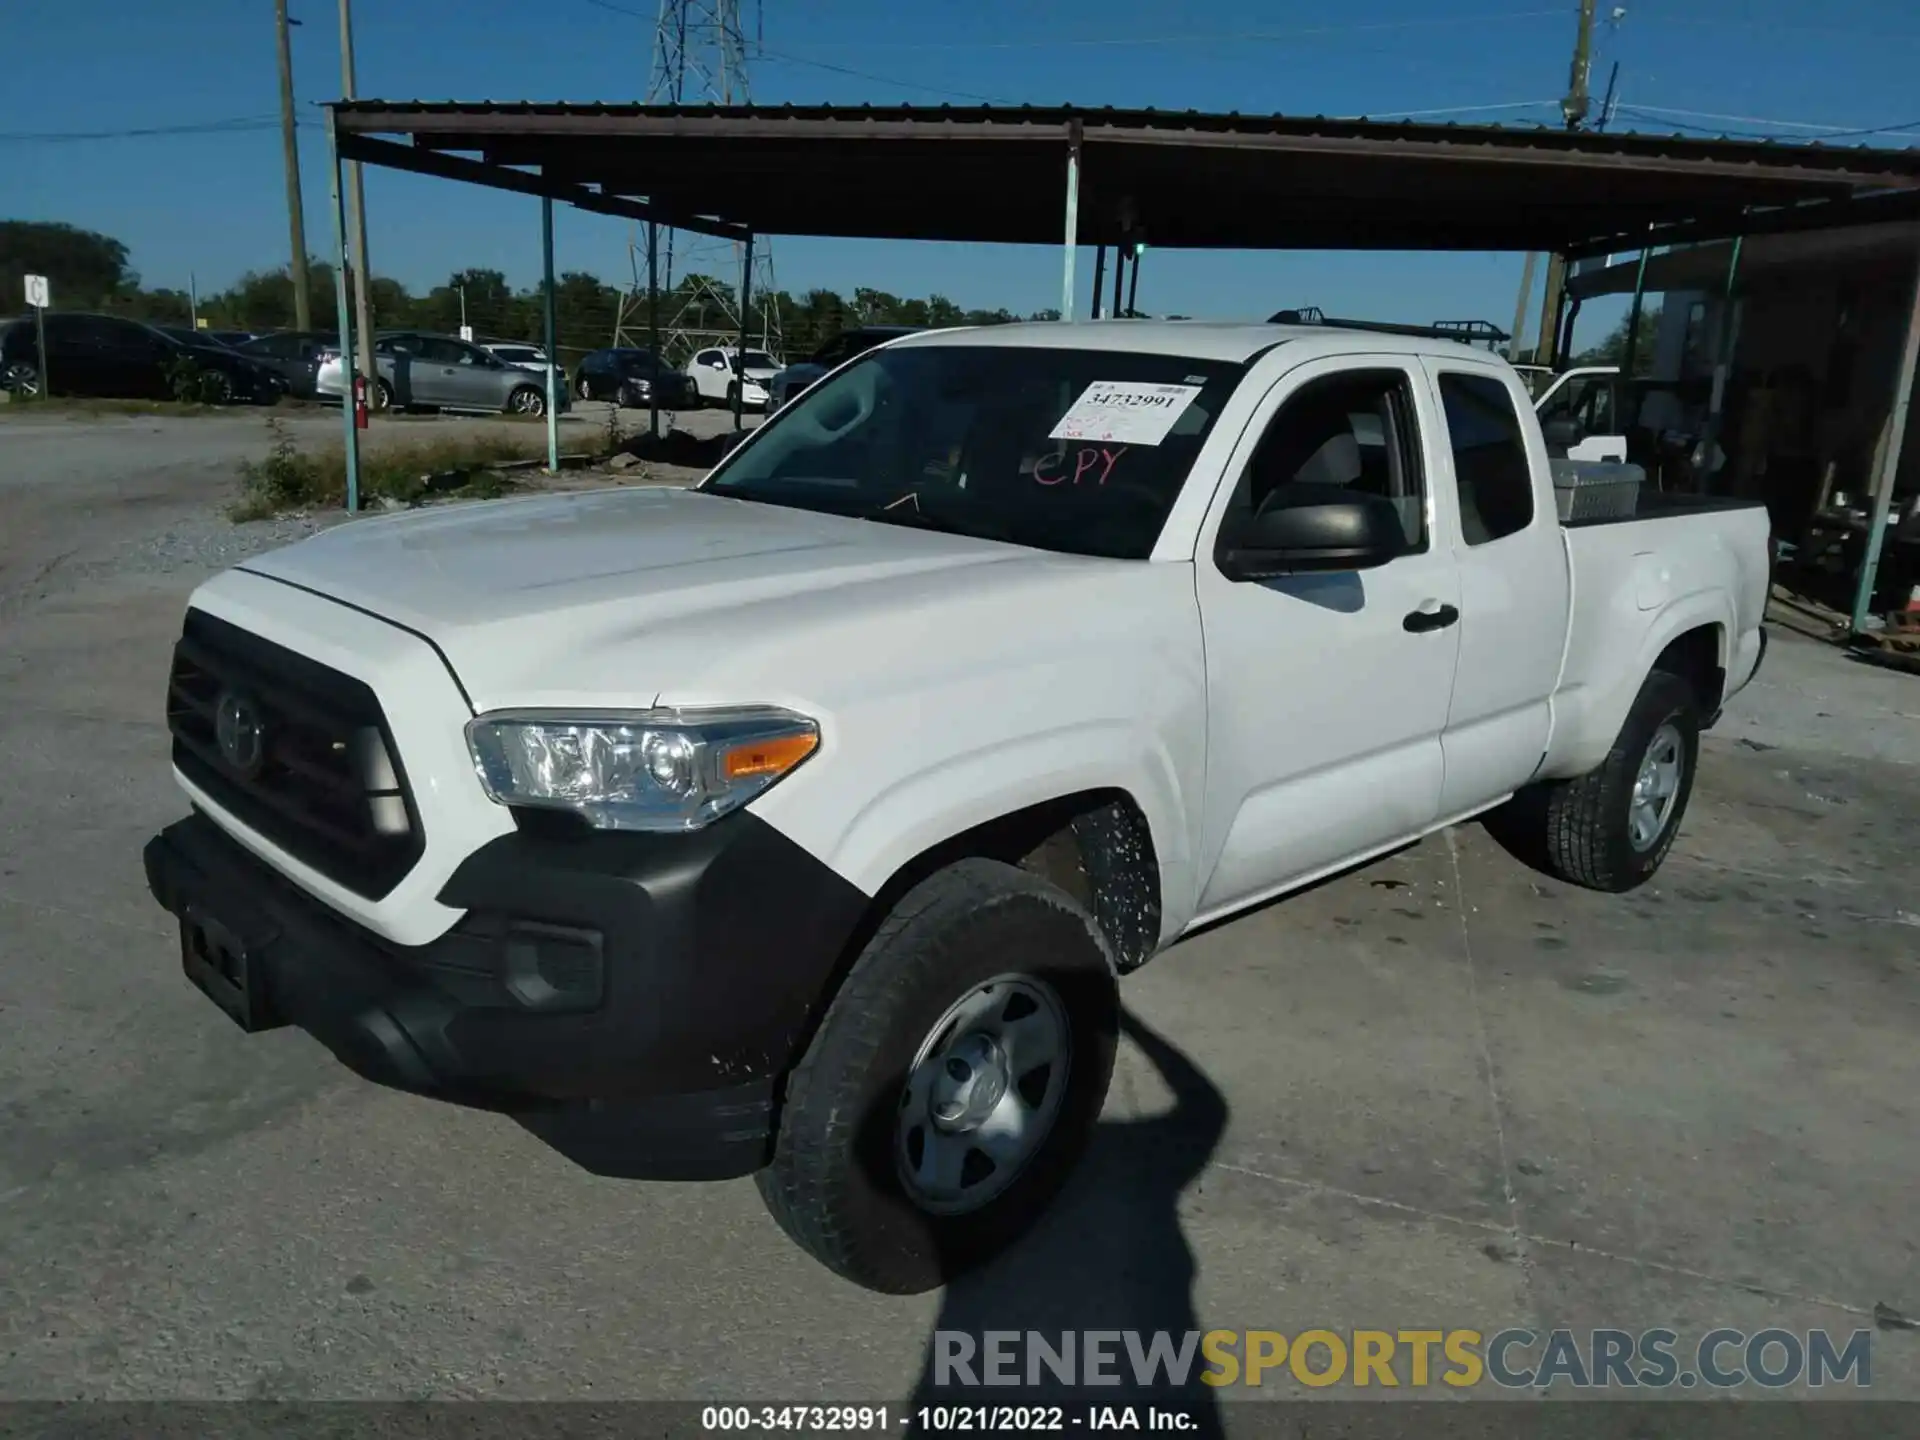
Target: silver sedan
[{"x": 445, "y": 373}]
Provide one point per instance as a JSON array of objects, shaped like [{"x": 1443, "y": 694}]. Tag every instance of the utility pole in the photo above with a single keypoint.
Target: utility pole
[
  {"x": 1520, "y": 307},
  {"x": 302, "y": 319},
  {"x": 356, "y": 210},
  {"x": 1574, "y": 107},
  {"x": 1574, "y": 110}
]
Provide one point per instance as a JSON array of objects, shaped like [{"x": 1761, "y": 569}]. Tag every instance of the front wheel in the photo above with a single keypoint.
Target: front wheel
[
  {"x": 1611, "y": 828},
  {"x": 952, "y": 1084},
  {"x": 582, "y": 388},
  {"x": 527, "y": 401}
]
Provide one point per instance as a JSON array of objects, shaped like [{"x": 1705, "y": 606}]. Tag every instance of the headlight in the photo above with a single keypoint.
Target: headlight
[{"x": 644, "y": 770}]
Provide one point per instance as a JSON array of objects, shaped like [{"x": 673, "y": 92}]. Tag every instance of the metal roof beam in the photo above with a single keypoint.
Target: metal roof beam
[
  {"x": 423, "y": 161},
  {"x": 1879, "y": 209}
]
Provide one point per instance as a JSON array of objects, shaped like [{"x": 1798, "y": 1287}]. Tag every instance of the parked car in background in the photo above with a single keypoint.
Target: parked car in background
[
  {"x": 836, "y": 352},
  {"x": 517, "y": 352},
  {"x": 445, "y": 373},
  {"x": 292, "y": 354},
  {"x": 633, "y": 377},
  {"x": 716, "y": 375},
  {"x": 187, "y": 335},
  {"x": 109, "y": 355}
]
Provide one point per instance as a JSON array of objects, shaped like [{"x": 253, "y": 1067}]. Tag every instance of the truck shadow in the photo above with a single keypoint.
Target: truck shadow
[{"x": 1109, "y": 1256}]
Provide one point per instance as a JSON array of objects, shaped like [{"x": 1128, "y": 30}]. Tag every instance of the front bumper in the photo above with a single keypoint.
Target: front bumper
[{"x": 633, "y": 1000}]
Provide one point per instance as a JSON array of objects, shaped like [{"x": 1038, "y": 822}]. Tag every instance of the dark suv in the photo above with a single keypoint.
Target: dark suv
[
  {"x": 295, "y": 355},
  {"x": 112, "y": 356},
  {"x": 788, "y": 384},
  {"x": 630, "y": 377}
]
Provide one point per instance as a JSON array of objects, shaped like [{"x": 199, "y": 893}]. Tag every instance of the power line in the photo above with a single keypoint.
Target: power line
[
  {"x": 1799, "y": 129},
  {"x": 238, "y": 125},
  {"x": 1454, "y": 110}
]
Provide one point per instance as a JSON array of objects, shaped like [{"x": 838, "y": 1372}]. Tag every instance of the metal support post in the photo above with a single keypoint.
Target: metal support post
[
  {"x": 546, "y": 295},
  {"x": 1119, "y": 274},
  {"x": 345, "y": 315},
  {"x": 1073, "y": 221},
  {"x": 1099, "y": 277},
  {"x": 740, "y": 351},
  {"x": 653, "y": 327},
  {"x": 1133, "y": 283},
  {"x": 1889, "y": 461},
  {"x": 1633, "y": 314}
]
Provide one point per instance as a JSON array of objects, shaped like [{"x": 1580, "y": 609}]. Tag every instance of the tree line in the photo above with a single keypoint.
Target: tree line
[{"x": 90, "y": 271}]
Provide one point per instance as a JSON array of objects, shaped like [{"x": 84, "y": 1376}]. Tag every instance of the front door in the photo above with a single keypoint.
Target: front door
[{"x": 1326, "y": 693}]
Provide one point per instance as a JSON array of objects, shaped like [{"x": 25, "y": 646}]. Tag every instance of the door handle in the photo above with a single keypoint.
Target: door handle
[{"x": 1419, "y": 621}]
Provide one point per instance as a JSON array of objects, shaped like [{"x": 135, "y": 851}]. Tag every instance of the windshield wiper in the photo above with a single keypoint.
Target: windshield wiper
[{"x": 907, "y": 510}]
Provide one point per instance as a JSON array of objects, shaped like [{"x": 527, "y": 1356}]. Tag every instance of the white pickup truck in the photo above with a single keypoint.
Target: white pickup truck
[{"x": 800, "y": 823}]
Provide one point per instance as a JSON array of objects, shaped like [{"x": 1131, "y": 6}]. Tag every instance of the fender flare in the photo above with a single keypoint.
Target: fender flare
[{"x": 1598, "y": 721}]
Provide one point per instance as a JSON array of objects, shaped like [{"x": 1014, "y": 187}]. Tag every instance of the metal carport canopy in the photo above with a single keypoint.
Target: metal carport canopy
[{"x": 1186, "y": 179}]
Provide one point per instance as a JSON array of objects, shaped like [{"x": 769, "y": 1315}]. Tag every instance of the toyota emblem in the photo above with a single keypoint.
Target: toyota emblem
[{"x": 241, "y": 732}]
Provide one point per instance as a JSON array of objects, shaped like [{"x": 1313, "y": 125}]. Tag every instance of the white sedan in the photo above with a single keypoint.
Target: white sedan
[{"x": 714, "y": 376}]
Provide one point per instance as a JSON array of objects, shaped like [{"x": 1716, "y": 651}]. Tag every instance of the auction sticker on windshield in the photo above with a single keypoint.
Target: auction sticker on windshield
[{"x": 1124, "y": 411}]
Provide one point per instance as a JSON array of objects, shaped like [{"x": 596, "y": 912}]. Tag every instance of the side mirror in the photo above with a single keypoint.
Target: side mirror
[
  {"x": 1306, "y": 528},
  {"x": 1562, "y": 432}
]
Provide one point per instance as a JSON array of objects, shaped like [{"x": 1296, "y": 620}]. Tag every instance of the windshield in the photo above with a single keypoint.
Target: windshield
[
  {"x": 638, "y": 362},
  {"x": 1082, "y": 451},
  {"x": 760, "y": 360},
  {"x": 516, "y": 354}
]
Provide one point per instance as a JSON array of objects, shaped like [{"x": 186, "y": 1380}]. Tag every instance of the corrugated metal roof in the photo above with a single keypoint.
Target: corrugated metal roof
[{"x": 1187, "y": 178}]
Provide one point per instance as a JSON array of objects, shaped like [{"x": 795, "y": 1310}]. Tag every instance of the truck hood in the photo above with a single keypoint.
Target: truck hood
[{"x": 658, "y": 595}]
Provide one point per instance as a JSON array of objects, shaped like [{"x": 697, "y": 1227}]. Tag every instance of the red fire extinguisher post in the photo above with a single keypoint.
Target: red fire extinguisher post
[{"x": 359, "y": 402}]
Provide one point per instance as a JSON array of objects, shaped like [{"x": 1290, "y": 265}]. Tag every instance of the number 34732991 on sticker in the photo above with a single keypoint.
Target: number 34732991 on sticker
[{"x": 1124, "y": 412}]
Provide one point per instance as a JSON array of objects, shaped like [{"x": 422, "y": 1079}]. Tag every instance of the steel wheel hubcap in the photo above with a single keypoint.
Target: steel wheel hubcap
[
  {"x": 1656, "y": 789},
  {"x": 982, "y": 1094}
]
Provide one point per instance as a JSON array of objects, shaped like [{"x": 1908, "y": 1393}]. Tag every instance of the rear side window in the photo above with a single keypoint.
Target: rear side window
[{"x": 1489, "y": 456}]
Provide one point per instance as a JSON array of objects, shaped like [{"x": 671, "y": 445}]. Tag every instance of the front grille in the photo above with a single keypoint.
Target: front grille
[{"x": 295, "y": 750}]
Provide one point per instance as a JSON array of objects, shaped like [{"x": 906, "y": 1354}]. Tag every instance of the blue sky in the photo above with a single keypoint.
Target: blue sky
[{"x": 214, "y": 204}]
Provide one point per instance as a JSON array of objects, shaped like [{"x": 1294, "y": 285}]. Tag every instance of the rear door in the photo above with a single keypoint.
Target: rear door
[
  {"x": 476, "y": 379},
  {"x": 1511, "y": 559},
  {"x": 1327, "y": 693}
]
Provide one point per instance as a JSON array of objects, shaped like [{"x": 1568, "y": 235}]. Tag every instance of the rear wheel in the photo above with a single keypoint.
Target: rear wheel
[
  {"x": 1611, "y": 828},
  {"x": 952, "y": 1084}
]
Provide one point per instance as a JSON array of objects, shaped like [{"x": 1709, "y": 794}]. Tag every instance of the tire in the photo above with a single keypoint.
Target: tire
[
  {"x": 21, "y": 378},
  {"x": 382, "y": 395},
  {"x": 1021, "y": 953},
  {"x": 222, "y": 389},
  {"x": 526, "y": 400},
  {"x": 1587, "y": 834},
  {"x": 581, "y": 388},
  {"x": 625, "y": 399}
]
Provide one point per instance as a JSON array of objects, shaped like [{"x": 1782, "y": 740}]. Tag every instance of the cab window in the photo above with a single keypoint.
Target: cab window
[
  {"x": 1490, "y": 467},
  {"x": 1355, "y": 430}
]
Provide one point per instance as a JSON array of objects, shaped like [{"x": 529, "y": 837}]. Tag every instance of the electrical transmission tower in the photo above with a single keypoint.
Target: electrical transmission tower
[{"x": 700, "y": 57}]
